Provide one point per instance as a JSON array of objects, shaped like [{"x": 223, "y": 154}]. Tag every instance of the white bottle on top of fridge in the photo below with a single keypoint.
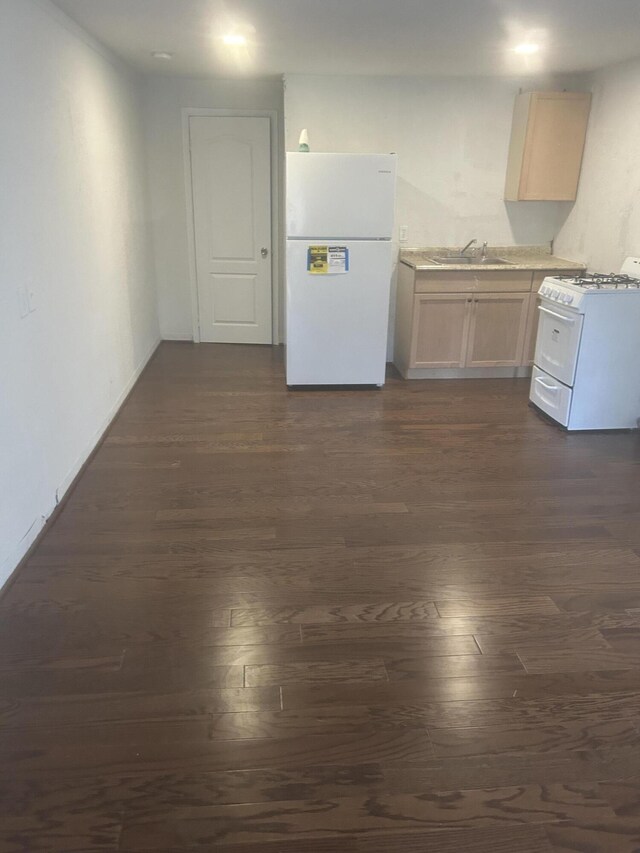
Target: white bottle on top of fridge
[{"x": 340, "y": 213}]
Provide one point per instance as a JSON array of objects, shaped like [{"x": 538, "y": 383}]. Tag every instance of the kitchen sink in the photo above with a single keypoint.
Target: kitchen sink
[{"x": 467, "y": 259}]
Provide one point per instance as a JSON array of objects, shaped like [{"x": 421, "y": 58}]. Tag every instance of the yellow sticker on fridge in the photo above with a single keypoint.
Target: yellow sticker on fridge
[{"x": 318, "y": 260}]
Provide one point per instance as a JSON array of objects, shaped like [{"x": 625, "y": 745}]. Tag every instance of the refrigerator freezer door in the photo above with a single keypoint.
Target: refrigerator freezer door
[
  {"x": 337, "y": 324},
  {"x": 348, "y": 196}
]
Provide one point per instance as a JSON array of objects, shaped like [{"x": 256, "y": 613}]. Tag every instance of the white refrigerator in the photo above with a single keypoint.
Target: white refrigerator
[{"x": 340, "y": 212}]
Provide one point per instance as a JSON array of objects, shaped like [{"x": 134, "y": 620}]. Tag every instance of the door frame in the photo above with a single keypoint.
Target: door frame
[{"x": 272, "y": 115}]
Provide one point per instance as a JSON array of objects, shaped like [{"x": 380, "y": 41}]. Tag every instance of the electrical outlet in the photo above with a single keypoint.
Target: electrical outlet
[{"x": 404, "y": 233}]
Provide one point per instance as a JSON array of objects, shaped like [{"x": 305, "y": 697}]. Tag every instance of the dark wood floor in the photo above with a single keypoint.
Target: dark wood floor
[{"x": 328, "y": 622}]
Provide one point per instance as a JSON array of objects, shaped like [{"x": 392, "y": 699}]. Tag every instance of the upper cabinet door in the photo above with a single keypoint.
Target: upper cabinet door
[{"x": 547, "y": 143}]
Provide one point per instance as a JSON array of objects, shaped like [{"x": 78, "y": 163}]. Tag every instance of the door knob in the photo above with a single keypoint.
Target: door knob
[{"x": 264, "y": 252}]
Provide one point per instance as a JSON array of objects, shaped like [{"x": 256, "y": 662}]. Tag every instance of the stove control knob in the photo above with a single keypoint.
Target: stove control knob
[{"x": 569, "y": 299}]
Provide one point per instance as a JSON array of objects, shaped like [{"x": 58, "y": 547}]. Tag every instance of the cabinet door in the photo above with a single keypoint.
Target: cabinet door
[
  {"x": 440, "y": 329},
  {"x": 547, "y": 142},
  {"x": 497, "y": 329}
]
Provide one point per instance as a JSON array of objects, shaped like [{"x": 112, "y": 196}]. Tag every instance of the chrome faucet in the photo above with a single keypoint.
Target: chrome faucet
[
  {"x": 484, "y": 250},
  {"x": 470, "y": 243}
]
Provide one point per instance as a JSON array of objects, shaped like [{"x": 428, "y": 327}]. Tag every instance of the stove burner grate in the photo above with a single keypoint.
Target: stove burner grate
[{"x": 597, "y": 281}]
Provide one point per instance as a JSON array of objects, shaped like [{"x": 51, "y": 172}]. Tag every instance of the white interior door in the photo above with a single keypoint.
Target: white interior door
[{"x": 231, "y": 185}]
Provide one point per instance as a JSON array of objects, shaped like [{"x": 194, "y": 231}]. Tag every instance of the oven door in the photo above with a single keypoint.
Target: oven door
[
  {"x": 551, "y": 396},
  {"x": 558, "y": 341}
]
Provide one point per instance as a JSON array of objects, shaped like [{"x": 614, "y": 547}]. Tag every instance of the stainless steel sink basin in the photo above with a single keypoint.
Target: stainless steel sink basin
[{"x": 467, "y": 259}]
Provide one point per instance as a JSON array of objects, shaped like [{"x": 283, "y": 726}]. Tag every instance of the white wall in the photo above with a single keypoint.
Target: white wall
[
  {"x": 452, "y": 139},
  {"x": 166, "y": 97},
  {"x": 604, "y": 226},
  {"x": 75, "y": 233}
]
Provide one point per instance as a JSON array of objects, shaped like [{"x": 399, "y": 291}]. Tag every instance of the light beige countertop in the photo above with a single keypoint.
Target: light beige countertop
[{"x": 519, "y": 257}]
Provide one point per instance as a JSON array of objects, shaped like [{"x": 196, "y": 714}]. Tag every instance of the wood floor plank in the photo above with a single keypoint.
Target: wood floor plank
[
  {"x": 543, "y": 659},
  {"x": 580, "y": 639},
  {"x": 20, "y": 683},
  {"x": 453, "y": 666},
  {"x": 512, "y": 839},
  {"x": 561, "y": 625},
  {"x": 130, "y": 707},
  {"x": 565, "y": 711},
  {"x": 387, "y": 612},
  {"x": 537, "y": 605},
  {"x": 433, "y": 810},
  {"x": 187, "y": 748},
  {"x": 614, "y": 836},
  {"x": 584, "y": 735},
  {"x": 441, "y": 689},
  {"x": 264, "y": 675}
]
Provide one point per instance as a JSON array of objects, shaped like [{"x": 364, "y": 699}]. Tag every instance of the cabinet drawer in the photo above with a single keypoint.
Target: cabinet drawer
[
  {"x": 473, "y": 281},
  {"x": 551, "y": 396}
]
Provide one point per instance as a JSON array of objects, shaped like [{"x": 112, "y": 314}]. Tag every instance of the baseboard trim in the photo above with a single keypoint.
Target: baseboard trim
[
  {"x": 465, "y": 372},
  {"x": 41, "y": 524}
]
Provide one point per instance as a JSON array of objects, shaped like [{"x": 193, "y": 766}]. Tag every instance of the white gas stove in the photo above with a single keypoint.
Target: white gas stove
[
  {"x": 585, "y": 372},
  {"x": 572, "y": 290}
]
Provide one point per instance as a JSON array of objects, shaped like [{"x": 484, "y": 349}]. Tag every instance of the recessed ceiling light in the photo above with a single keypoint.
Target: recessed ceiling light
[
  {"x": 235, "y": 40},
  {"x": 161, "y": 54},
  {"x": 527, "y": 48}
]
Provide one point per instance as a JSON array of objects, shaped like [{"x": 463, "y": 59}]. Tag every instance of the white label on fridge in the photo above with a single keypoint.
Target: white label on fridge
[{"x": 338, "y": 260}]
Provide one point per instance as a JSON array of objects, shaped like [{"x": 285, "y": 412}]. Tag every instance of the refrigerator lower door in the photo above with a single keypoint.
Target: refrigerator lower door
[{"x": 337, "y": 324}]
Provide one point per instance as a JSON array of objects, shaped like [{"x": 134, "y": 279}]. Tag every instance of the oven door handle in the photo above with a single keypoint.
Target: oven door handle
[
  {"x": 544, "y": 384},
  {"x": 569, "y": 320}
]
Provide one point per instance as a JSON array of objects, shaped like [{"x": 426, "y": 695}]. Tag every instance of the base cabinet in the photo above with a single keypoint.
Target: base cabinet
[{"x": 482, "y": 323}]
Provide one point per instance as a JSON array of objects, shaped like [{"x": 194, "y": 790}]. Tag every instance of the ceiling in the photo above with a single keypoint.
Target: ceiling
[{"x": 396, "y": 37}]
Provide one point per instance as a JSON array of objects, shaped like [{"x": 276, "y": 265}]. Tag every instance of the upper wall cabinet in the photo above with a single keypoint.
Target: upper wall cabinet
[{"x": 547, "y": 141}]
